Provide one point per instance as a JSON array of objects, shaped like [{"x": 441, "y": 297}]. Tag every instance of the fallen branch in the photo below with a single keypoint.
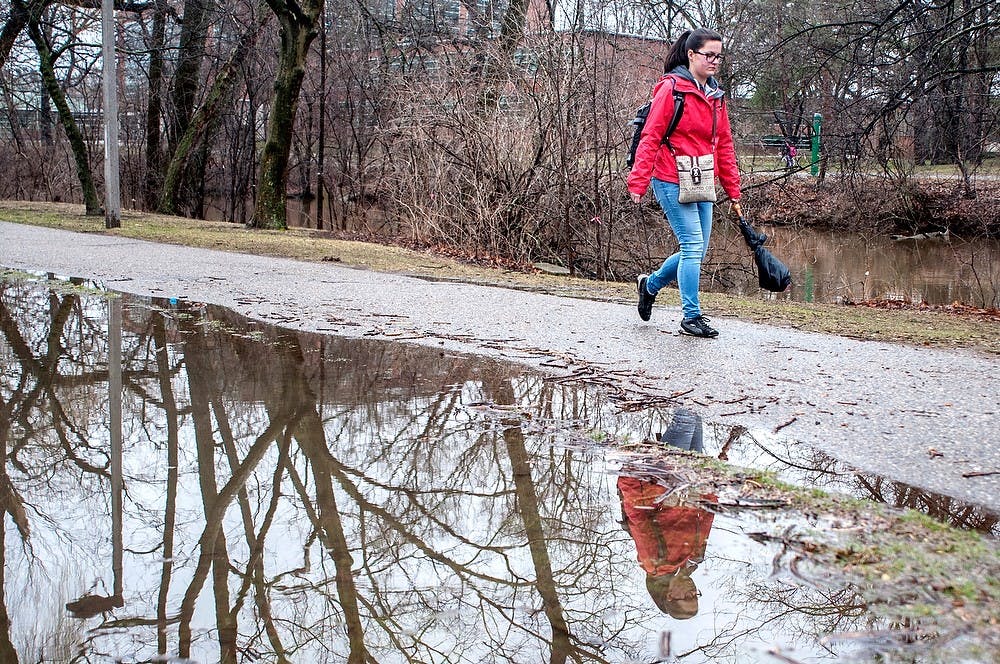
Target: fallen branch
[{"x": 783, "y": 425}]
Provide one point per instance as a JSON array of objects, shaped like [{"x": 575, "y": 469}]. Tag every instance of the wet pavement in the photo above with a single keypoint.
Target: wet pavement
[
  {"x": 203, "y": 487},
  {"x": 922, "y": 417}
]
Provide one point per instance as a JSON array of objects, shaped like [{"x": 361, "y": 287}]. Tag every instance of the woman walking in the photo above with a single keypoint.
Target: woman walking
[{"x": 702, "y": 135}]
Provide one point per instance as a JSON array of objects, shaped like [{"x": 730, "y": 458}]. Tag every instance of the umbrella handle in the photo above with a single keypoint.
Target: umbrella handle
[{"x": 737, "y": 208}]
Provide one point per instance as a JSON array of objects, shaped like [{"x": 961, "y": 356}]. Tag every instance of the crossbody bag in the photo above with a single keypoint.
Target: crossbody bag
[{"x": 696, "y": 174}]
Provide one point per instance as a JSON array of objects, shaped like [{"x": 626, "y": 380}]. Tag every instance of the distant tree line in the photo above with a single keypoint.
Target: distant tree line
[{"x": 496, "y": 126}]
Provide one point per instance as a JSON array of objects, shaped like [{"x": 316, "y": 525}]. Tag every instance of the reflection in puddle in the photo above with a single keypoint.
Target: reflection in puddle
[
  {"x": 292, "y": 497},
  {"x": 670, "y": 535},
  {"x": 804, "y": 466}
]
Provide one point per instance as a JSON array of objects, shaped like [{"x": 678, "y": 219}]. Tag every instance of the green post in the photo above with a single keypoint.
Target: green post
[{"x": 817, "y": 123}]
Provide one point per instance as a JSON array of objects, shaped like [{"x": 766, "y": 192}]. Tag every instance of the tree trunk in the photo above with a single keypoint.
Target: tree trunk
[
  {"x": 47, "y": 69},
  {"x": 154, "y": 112},
  {"x": 186, "y": 149},
  {"x": 321, "y": 147},
  {"x": 298, "y": 29},
  {"x": 194, "y": 34},
  {"x": 45, "y": 116},
  {"x": 511, "y": 35},
  {"x": 191, "y": 52},
  {"x": 203, "y": 120}
]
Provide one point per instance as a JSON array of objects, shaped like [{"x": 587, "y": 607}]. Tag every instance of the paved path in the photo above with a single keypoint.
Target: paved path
[{"x": 877, "y": 406}]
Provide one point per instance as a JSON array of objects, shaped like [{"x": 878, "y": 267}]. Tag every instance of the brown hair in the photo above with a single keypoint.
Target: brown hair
[
  {"x": 660, "y": 589},
  {"x": 690, "y": 40}
]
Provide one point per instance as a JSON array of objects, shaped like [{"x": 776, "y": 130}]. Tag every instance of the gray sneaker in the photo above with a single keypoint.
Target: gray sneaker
[
  {"x": 645, "y": 299},
  {"x": 698, "y": 327}
]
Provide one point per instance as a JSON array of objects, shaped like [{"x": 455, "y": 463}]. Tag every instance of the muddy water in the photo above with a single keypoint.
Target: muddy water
[
  {"x": 837, "y": 267},
  {"x": 255, "y": 493}
]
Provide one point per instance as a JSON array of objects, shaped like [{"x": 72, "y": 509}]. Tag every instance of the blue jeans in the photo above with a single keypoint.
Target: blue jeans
[{"x": 692, "y": 224}]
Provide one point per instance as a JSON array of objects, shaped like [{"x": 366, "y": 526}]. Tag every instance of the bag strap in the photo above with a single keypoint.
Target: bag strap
[
  {"x": 716, "y": 104},
  {"x": 679, "y": 108}
]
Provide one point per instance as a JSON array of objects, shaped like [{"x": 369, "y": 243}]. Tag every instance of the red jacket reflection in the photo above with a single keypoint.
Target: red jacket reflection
[{"x": 666, "y": 536}]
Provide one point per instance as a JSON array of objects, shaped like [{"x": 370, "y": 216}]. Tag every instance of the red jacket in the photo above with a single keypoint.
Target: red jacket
[{"x": 692, "y": 137}]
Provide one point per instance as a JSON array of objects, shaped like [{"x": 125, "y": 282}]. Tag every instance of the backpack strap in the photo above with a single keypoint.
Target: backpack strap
[{"x": 676, "y": 118}]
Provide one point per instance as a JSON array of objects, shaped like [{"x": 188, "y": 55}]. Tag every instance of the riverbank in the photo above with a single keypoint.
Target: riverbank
[
  {"x": 926, "y": 327},
  {"x": 880, "y": 206}
]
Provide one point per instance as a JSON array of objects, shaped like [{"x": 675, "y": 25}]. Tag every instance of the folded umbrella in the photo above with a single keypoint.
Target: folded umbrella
[{"x": 772, "y": 274}]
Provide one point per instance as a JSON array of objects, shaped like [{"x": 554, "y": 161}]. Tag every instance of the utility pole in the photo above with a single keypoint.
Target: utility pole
[{"x": 112, "y": 192}]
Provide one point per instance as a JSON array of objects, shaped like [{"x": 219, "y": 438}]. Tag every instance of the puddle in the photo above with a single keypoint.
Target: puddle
[{"x": 258, "y": 493}]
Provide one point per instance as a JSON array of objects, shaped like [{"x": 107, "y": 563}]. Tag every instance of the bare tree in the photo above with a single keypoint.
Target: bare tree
[
  {"x": 298, "y": 28},
  {"x": 47, "y": 64}
]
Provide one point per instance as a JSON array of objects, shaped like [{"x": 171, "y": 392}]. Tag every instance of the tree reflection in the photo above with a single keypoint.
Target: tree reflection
[
  {"x": 292, "y": 497},
  {"x": 7, "y": 651},
  {"x": 170, "y": 421},
  {"x": 938, "y": 506},
  {"x": 530, "y": 513}
]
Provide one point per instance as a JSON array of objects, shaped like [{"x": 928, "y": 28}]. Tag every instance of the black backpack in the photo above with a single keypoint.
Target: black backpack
[{"x": 640, "y": 121}]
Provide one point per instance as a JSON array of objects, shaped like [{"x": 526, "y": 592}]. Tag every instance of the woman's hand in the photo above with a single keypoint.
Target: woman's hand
[
  {"x": 635, "y": 197},
  {"x": 737, "y": 208}
]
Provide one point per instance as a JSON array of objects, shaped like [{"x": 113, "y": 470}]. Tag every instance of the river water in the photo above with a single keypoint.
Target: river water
[
  {"x": 202, "y": 487},
  {"x": 835, "y": 267}
]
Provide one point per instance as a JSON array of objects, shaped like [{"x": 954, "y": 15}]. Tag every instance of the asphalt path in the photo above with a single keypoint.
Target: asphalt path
[{"x": 927, "y": 417}]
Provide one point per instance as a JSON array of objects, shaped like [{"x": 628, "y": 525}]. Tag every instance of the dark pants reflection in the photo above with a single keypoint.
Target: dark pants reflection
[{"x": 685, "y": 431}]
